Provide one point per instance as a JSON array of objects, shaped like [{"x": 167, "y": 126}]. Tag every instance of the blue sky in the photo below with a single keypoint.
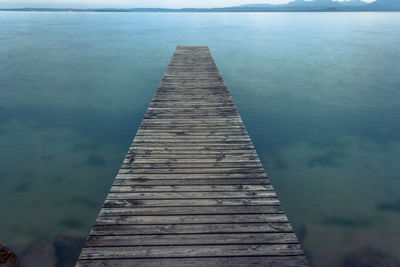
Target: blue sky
[{"x": 133, "y": 3}]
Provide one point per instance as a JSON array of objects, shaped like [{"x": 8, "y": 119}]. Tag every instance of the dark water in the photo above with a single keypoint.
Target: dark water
[{"x": 319, "y": 94}]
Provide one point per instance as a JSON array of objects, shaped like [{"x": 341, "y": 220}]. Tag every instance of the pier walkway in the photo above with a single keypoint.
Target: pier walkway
[{"x": 192, "y": 190}]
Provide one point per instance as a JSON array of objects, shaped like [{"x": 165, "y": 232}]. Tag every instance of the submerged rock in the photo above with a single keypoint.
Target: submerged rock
[
  {"x": 68, "y": 249},
  {"x": 43, "y": 254},
  {"x": 7, "y": 257},
  {"x": 62, "y": 251},
  {"x": 369, "y": 257}
]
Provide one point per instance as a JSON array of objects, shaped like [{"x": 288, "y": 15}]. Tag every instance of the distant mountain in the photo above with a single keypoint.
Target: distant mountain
[
  {"x": 315, "y": 3},
  {"x": 327, "y": 5},
  {"x": 385, "y": 5}
]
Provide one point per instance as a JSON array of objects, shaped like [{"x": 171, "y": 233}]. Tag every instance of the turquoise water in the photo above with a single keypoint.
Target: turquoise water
[{"x": 318, "y": 92}]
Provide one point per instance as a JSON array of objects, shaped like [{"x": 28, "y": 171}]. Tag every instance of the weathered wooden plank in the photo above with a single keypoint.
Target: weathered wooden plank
[
  {"x": 189, "y": 66},
  {"x": 212, "y": 128},
  {"x": 195, "y": 81},
  {"x": 190, "y": 165},
  {"x": 192, "y": 195},
  {"x": 191, "y": 104},
  {"x": 191, "y": 210},
  {"x": 201, "y": 62},
  {"x": 184, "y": 110},
  {"x": 188, "y": 89},
  {"x": 189, "y": 188},
  {"x": 192, "y": 146},
  {"x": 191, "y": 229},
  {"x": 200, "y": 144},
  {"x": 213, "y": 121},
  {"x": 163, "y": 159},
  {"x": 171, "y": 72},
  {"x": 179, "y": 93},
  {"x": 191, "y": 156},
  {"x": 169, "y": 182},
  {"x": 191, "y": 219},
  {"x": 192, "y": 126},
  {"x": 191, "y": 251},
  {"x": 194, "y": 98},
  {"x": 173, "y": 90},
  {"x": 220, "y": 176},
  {"x": 126, "y": 203},
  {"x": 189, "y": 134},
  {"x": 191, "y": 239},
  {"x": 195, "y": 116},
  {"x": 160, "y": 156},
  {"x": 267, "y": 261},
  {"x": 202, "y": 141},
  {"x": 194, "y": 150},
  {"x": 192, "y": 117},
  {"x": 197, "y": 138},
  {"x": 191, "y": 152},
  {"x": 216, "y": 97},
  {"x": 192, "y": 171}
]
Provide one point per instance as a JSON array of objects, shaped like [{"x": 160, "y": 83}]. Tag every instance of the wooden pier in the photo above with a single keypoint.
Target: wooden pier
[{"x": 192, "y": 190}]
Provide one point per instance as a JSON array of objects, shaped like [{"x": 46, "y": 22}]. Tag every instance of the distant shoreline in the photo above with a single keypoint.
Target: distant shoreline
[{"x": 201, "y": 10}]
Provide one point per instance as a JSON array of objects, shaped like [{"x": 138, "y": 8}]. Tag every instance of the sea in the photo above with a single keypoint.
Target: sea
[{"x": 319, "y": 94}]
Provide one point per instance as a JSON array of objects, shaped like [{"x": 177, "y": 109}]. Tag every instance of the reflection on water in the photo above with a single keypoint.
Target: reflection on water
[{"x": 320, "y": 101}]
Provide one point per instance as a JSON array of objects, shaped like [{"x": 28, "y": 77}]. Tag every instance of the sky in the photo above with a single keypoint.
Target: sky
[{"x": 134, "y": 3}]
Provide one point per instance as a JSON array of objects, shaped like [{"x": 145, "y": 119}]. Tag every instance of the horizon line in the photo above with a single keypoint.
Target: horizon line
[{"x": 274, "y": 5}]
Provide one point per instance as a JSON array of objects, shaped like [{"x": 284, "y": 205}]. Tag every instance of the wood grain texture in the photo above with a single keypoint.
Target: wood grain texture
[
  {"x": 208, "y": 228},
  {"x": 190, "y": 251},
  {"x": 191, "y": 239},
  {"x": 191, "y": 190},
  {"x": 263, "y": 261}
]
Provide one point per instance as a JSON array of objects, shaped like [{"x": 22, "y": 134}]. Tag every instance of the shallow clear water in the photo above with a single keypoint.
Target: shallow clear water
[{"x": 318, "y": 92}]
